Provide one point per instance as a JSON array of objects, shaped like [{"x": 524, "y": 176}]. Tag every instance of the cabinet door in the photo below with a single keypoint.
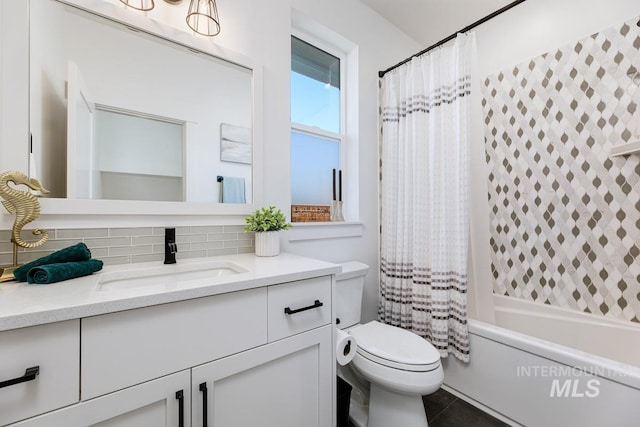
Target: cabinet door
[
  {"x": 39, "y": 369},
  {"x": 284, "y": 384},
  {"x": 164, "y": 402}
]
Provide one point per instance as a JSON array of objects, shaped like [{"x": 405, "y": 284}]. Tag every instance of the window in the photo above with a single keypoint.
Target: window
[{"x": 316, "y": 123}]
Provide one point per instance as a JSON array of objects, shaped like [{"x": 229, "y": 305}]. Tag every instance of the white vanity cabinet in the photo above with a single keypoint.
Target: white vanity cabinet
[
  {"x": 260, "y": 356},
  {"x": 127, "y": 348},
  {"x": 286, "y": 383},
  {"x": 164, "y": 402}
]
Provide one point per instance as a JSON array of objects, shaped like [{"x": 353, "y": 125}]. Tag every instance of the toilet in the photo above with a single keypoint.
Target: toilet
[{"x": 399, "y": 366}]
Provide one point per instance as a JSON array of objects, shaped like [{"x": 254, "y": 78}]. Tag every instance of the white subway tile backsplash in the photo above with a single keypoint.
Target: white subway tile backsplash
[
  {"x": 181, "y": 231},
  {"x": 206, "y": 245},
  {"x": 227, "y": 251},
  {"x": 133, "y": 245},
  {"x": 207, "y": 229},
  {"x": 191, "y": 238},
  {"x": 6, "y": 247},
  {"x": 147, "y": 240},
  {"x": 193, "y": 254},
  {"x": 99, "y": 253},
  {"x": 108, "y": 242},
  {"x": 81, "y": 233},
  {"x": 141, "y": 231},
  {"x": 246, "y": 236},
  {"x": 51, "y": 245},
  {"x": 130, "y": 250},
  {"x": 158, "y": 231},
  {"x": 238, "y": 243},
  {"x": 147, "y": 258},
  {"x": 116, "y": 260},
  {"x": 222, "y": 236}
]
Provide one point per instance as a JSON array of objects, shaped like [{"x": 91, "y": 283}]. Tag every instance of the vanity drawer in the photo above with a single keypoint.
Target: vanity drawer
[
  {"x": 55, "y": 350},
  {"x": 130, "y": 347},
  {"x": 296, "y": 307}
]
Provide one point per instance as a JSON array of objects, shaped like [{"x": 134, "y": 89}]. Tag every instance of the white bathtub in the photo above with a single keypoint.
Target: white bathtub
[{"x": 525, "y": 377}]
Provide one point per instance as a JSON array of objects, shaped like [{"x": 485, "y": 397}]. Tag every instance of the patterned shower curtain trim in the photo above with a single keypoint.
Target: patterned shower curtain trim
[{"x": 424, "y": 168}]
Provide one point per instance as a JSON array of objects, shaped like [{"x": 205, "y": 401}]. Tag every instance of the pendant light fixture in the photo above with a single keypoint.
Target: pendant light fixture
[
  {"x": 144, "y": 5},
  {"x": 202, "y": 17}
]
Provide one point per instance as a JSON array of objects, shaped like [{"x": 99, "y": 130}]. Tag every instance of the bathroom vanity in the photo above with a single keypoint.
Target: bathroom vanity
[{"x": 222, "y": 341}]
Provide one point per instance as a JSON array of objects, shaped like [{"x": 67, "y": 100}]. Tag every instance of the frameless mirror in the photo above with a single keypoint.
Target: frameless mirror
[{"x": 118, "y": 113}]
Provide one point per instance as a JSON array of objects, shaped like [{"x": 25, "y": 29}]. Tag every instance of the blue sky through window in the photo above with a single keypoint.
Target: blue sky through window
[{"x": 314, "y": 103}]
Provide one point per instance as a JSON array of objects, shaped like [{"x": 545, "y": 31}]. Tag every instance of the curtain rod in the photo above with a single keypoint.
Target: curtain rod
[{"x": 453, "y": 36}]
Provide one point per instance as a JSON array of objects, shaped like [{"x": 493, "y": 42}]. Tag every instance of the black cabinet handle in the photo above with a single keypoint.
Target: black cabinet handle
[
  {"x": 180, "y": 397},
  {"x": 203, "y": 389},
  {"x": 316, "y": 304},
  {"x": 29, "y": 375}
]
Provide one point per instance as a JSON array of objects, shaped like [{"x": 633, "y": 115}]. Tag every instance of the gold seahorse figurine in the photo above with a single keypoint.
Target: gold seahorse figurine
[{"x": 26, "y": 208}]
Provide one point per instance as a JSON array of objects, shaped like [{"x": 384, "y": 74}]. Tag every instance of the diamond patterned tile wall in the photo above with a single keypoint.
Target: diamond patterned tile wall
[{"x": 565, "y": 217}]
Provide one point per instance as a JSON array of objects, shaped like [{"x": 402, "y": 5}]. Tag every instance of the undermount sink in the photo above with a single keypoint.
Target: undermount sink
[{"x": 168, "y": 276}]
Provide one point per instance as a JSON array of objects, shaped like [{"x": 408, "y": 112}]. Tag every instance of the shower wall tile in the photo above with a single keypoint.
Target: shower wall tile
[
  {"x": 133, "y": 245},
  {"x": 565, "y": 217}
]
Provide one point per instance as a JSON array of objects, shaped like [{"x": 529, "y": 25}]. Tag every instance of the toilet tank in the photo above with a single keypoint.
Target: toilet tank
[{"x": 349, "y": 287}]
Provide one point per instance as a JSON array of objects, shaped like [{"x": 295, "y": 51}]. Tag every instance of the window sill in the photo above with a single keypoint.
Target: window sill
[{"x": 324, "y": 230}]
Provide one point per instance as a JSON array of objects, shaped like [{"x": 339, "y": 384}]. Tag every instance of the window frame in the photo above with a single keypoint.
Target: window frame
[{"x": 340, "y": 137}]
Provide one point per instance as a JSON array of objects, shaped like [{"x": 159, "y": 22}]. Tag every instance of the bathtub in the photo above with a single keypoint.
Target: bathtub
[{"x": 544, "y": 366}]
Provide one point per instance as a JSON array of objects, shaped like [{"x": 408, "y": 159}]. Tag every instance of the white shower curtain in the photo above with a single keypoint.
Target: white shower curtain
[{"x": 425, "y": 107}]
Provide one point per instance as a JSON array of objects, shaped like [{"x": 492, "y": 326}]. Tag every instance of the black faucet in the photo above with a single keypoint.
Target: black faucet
[{"x": 170, "y": 246}]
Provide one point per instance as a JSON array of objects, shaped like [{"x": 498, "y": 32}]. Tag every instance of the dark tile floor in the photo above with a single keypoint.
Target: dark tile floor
[{"x": 446, "y": 410}]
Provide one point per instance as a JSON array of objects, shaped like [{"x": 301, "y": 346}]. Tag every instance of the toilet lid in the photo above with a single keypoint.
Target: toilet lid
[{"x": 395, "y": 347}]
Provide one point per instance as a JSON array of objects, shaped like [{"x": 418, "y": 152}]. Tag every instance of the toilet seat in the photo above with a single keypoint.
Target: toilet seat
[{"x": 395, "y": 348}]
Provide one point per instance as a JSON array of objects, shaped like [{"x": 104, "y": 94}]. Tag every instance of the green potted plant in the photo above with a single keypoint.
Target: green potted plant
[{"x": 266, "y": 223}]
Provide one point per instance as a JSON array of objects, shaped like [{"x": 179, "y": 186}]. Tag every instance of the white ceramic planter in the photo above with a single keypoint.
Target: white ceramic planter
[{"x": 267, "y": 243}]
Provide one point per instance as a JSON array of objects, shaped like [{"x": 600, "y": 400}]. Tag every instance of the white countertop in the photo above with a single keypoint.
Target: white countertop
[{"x": 22, "y": 304}]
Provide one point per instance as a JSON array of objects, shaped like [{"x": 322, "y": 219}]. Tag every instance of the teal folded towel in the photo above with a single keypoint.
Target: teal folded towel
[
  {"x": 51, "y": 273},
  {"x": 77, "y": 252}
]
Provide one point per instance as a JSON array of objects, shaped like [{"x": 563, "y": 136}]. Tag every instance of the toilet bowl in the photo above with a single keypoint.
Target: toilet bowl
[{"x": 399, "y": 365}]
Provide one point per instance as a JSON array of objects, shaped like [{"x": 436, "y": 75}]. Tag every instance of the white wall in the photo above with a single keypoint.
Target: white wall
[{"x": 538, "y": 26}]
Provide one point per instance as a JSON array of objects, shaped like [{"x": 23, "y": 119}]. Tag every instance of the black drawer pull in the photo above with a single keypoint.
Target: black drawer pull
[
  {"x": 316, "y": 304},
  {"x": 203, "y": 389},
  {"x": 29, "y": 375},
  {"x": 180, "y": 397}
]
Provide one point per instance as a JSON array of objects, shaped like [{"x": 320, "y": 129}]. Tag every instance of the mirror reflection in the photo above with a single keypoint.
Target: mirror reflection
[{"x": 124, "y": 115}]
